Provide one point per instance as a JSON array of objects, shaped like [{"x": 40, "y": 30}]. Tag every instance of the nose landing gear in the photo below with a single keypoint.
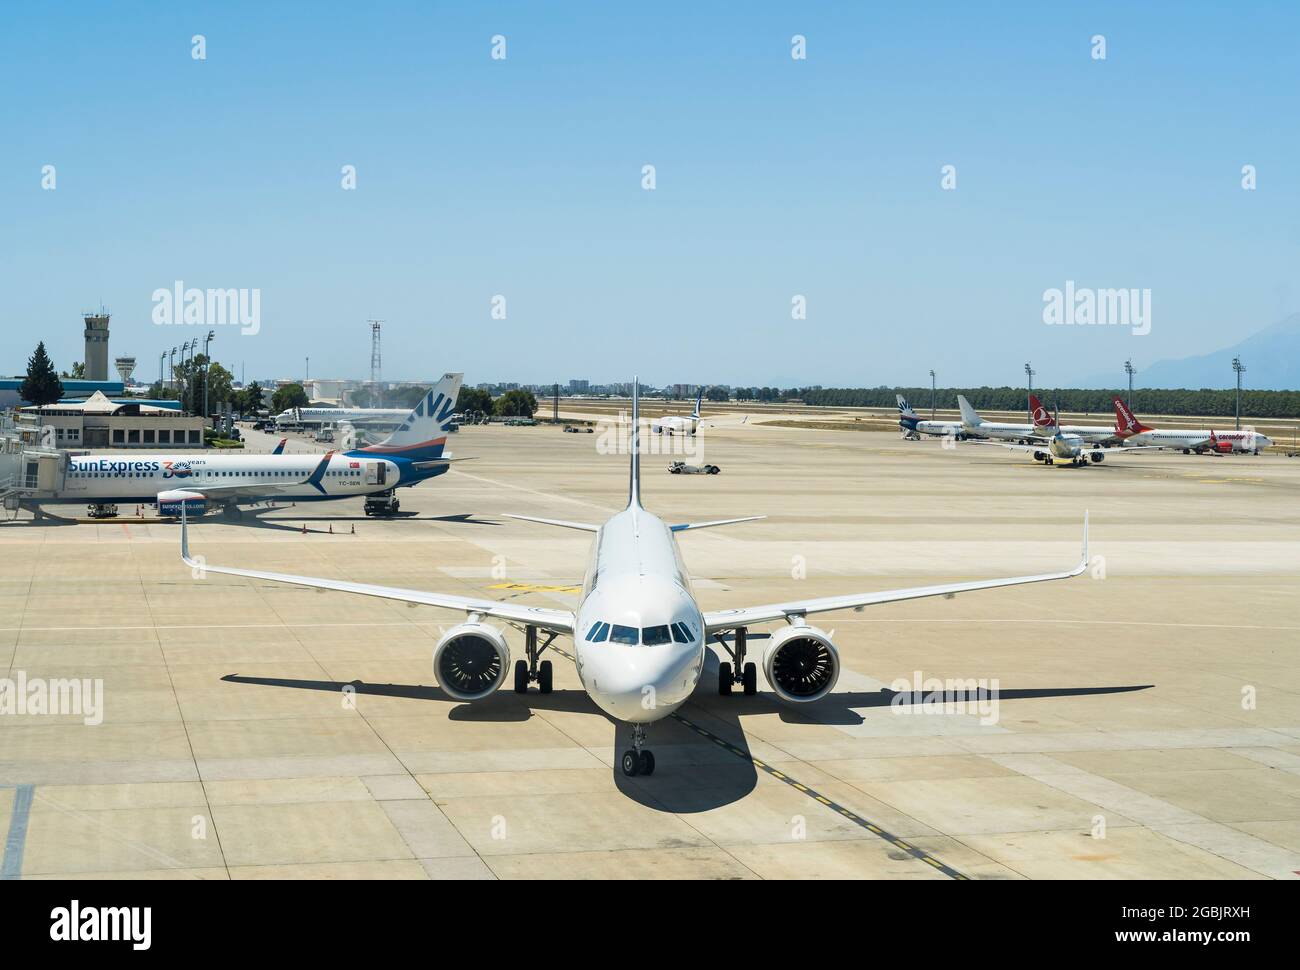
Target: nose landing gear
[{"x": 637, "y": 761}]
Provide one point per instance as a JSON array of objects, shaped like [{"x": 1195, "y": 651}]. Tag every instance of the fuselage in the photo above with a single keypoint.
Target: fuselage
[
  {"x": 126, "y": 478},
  {"x": 1091, "y": 434},
  {"x": 639, "y": 634},
  {"x": 369, "y": 417},
  {"x": 1247, "y": 441}
]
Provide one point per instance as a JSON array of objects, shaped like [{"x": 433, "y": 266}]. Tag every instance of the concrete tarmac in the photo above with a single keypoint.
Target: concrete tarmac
[{"x": 1147, "y": 720}]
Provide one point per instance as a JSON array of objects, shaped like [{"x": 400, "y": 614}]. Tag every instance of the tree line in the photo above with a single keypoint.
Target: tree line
[{"x": 1145, "y": 400}]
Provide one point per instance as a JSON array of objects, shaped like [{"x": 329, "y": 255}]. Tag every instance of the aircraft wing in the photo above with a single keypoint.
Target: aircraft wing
[
  {"x": 728, "y": 619},
  {"x": 561, "y": 621}
]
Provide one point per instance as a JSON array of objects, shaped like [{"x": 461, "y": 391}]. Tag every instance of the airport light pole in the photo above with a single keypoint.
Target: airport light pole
[
  {"x": 171, "y": 369},
  {"x": 1239, "y": 368},
  {"x": 1029, "y": 372},
  {"x": 1128, "y": 369},
  {"x": 932, "y": 389},
  {"x": 162, "y": 359},
  {"x": 207, "y": 363}
]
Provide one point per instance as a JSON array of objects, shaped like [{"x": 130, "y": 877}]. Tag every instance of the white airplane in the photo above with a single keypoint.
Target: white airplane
[
  {"x": 366, "y": 417},
  {"x": 977, "y": 427},
  {"x": 640, "y": 635},
  {"x": 914, "y": 425},
  {"x": 1050, "y": 443},
  {"x": 672, "y": 424},
  {"x": 1133, "y": 431},
  {"x": 196, "y": 483}
]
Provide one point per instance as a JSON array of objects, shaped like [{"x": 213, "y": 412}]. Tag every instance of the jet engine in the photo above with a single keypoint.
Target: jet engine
[
  {"x": 470, "y": 661},
  {"x": 1097, "y": 457},
  {"x": 169, "y": 503},
  {"x": 801, "y": 664}
]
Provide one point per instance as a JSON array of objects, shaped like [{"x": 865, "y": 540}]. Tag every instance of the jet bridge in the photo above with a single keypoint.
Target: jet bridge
[{"x": 29, "y": 469}]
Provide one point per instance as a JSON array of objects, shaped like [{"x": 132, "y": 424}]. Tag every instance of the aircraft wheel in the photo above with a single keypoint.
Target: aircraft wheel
[
  {"x": 544, "y": 677},
  {"x": 631, "y": 763},
  {"x": 647, "y": 765},
  {"x": 521, "y": 677},
  {"x": 750, "y": 680},
  {"x": 724, "y": 679}
]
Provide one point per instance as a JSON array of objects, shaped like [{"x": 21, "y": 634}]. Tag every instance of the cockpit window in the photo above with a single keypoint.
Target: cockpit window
[
  {"x": 656, "y": 636},
  {"x": 601, "y": 633},
  {"x": 626, "y": 635},
  {"x": 680, "y": 633},
  {"x": 592, "y": 632}
]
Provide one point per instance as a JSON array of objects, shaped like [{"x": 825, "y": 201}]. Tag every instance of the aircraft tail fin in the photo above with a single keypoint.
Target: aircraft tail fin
[
  {"x": 698, "y": 398},
  {"x": 423, "y": 433},
  {"x": 1126, "y": 423},
  {"x": 634, "y": 472},
  {"x": 969, "y": 416},
  {"x": 1042, "y": 420}
]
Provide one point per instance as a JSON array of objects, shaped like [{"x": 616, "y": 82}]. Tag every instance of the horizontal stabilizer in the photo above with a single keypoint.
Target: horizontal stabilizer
[
  {"x": 709, "y": 525},
  {"x": 561, "y": 523}
]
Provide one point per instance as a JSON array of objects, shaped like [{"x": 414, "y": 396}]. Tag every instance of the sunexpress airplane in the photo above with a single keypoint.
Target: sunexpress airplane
[{"x": 413, "y": 453}]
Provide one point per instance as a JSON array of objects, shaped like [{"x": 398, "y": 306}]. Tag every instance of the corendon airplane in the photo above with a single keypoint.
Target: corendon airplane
[
  {"x": 976, "y": 427},
  {"x": 640, "y": 635},
  {"x": 1132, "y": 431},
  {"x": 413, "y": 453},
  {"x": 671, "y": 424}
]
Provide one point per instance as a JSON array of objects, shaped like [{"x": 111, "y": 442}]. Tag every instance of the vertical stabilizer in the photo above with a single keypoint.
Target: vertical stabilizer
[{"x": 634, "y": 477}]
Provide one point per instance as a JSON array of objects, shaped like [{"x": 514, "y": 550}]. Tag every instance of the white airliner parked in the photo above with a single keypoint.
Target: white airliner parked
[
  {"x": 411, "y": 454},
  {"x": 672, "y": 424},
  {"x": 914, "y": 425},
  {"x": 358, "y": 417},
  {"x": 977, "y": 427},
  {"x": 1133, "y": 431},
  {"x": 640, "y": 635}
]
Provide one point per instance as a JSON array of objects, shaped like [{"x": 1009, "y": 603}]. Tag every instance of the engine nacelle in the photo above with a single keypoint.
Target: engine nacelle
[
  {"x": 801, "y": 664},
  {"x": 169, "y": 503},
  {"x": 1097, "y": 457},
  {"x": 471, "y": 660}
]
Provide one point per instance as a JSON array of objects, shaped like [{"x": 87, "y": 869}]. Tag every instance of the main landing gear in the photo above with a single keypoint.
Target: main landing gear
[
  {"x": 745, "y": 674},
  {"x": 637, "y": 761},
  {"x": 530, "y": 671}
]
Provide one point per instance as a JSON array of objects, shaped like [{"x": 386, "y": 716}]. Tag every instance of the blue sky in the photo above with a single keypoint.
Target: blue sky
[{"x": 775, "y": 177}]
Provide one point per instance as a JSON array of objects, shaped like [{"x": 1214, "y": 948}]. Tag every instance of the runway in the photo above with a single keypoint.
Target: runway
[{"x": 1146, "y": 722}]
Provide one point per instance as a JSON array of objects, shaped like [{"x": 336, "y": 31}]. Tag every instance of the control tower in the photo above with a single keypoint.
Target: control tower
[{"x": 96, "y": 345}]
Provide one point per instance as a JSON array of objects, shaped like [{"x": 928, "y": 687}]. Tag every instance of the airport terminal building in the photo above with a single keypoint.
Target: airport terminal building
[{"x": 99, "y": 422}]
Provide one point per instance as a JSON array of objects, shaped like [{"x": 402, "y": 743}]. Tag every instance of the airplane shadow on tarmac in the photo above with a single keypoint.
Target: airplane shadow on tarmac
[{"x": 694, "y": 773}]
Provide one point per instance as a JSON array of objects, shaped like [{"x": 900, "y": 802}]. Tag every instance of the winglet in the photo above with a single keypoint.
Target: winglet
[
  {"x": 1084, "y": 562},
  {"x": 279, "y": 449},
  {"x": 185, "y": 537}
]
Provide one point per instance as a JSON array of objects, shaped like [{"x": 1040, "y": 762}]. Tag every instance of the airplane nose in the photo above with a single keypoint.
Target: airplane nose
[{"x": 643, "y": 684}]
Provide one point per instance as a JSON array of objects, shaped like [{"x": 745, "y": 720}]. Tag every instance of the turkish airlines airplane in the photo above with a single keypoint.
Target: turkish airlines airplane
[
  {"x": 1132, "y": 431},
  {"x": 671, "y": 424},
  {"x": 1050, "y": 443},
  {"x": 640, "y": 635},
  {"x": 977, "y": 427},
  {"x": 413, "y": 453}
]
